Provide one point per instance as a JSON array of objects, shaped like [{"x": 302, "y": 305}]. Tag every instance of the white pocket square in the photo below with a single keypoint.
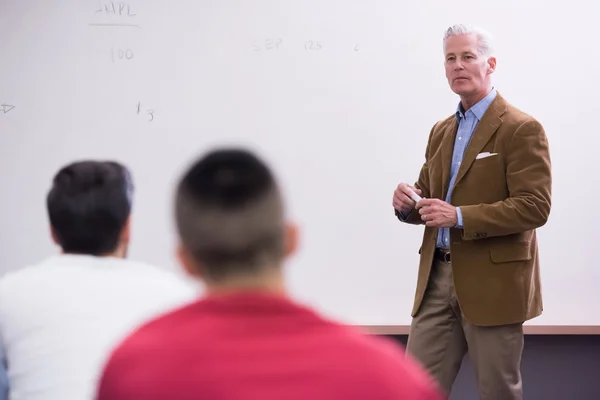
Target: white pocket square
[{"x": 484, "y": 155}]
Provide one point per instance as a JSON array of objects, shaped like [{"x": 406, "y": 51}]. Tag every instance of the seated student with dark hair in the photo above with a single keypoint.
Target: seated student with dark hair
[
  {"x": 246, "y": 339},
  {"x": 60, "y": 319}
]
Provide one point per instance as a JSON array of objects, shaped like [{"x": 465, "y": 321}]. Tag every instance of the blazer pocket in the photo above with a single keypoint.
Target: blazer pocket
[
  {"x": 509, "y": 253},
  {"x": 488, "y": 162}
]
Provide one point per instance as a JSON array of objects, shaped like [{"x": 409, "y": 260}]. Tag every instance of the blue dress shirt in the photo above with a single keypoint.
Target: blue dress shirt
[{"x": 467, "y": 122}]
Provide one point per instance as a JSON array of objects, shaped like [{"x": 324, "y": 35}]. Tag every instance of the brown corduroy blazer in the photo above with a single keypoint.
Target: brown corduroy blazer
[{"x": 503, "y": 199}]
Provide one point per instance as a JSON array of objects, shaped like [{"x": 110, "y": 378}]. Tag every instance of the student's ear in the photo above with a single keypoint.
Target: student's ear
[
  {"x": 291, "y": 239},
  {"x": 126, "y": 232},
  {"x": 54, "y": 237}
]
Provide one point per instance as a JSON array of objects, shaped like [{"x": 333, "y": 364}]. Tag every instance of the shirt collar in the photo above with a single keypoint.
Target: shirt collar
[
  {"x": 479, "y": 108},
  {"x": 83, "y": 260}
]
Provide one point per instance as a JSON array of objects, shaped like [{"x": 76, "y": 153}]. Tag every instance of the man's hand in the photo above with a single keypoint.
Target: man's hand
[
  {"x": 401, "y": 199},
  {"x": 437, "y": 213}
]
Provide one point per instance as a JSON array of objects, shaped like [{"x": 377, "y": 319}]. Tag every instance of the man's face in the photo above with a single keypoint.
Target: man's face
[{"x": 467, "y": 71}]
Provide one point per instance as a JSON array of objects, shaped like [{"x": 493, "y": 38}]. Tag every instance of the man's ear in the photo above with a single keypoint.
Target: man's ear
[
  {"x": 126, "y": 232},
  {"x": 54, "y": 237},
  {"x": 291, "y": 239},
  {"x": 491, "y": 65},
  {"x": 189, "y": 264}
]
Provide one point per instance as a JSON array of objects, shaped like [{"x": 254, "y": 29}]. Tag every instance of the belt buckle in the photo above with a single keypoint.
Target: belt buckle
[{"x": 445, "y": 255}]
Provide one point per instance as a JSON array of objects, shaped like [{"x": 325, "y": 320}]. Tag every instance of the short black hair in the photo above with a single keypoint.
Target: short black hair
[
  {"x": 88, "y": 206},
  {"x": 229, "y": 213}
]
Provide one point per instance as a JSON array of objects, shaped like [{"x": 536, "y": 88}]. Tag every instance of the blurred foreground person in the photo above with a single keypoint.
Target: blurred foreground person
[
  {"x": 60, "y": 319},
  {"x": 246, "y": 339}
]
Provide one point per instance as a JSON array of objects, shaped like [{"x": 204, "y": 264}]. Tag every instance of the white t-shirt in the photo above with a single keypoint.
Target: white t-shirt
[{"x": 60, "y": 319}]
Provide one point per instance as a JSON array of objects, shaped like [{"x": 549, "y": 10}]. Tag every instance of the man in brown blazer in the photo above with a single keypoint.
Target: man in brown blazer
[{"x": 485, "y": 187}]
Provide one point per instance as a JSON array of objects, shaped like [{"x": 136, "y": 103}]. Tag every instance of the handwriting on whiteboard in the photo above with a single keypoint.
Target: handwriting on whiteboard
[
  {"x": 121, "y": 54},
  {"x": 277, "y": 43},
  {"x": 313, "y": 45},
  {"x": 112, "y": 8},
  {"x": 6, "y": 108},
  {"x": 121, "y": 11},
  {"x": 268, "y": 44},
  {"x": 148, "y": 112}
]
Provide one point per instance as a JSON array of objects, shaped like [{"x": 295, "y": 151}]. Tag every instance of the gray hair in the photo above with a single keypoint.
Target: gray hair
[{"x": 484, "y": 38}]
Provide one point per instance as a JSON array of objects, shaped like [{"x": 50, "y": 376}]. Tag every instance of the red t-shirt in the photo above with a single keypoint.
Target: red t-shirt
[{"x": 258, "y": 346}]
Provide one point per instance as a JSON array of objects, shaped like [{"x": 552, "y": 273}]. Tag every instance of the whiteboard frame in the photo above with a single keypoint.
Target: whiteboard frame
[{"x": 527, "y": 329}]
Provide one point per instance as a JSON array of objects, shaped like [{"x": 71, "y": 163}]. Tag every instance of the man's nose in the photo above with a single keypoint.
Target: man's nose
[{"x": 458, "y": 66}]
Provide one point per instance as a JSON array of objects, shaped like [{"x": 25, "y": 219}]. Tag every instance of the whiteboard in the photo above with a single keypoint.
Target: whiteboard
[{"x": 338, "y": 97}]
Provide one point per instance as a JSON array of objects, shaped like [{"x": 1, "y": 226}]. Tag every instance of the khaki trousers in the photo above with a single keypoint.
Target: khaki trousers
[{"x": 440, "y": 337}]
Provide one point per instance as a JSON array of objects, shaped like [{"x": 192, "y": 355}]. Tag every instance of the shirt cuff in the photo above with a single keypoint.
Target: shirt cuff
[
  {"x": 459, "y": 224},
  {"x": 400, "y": 215}
]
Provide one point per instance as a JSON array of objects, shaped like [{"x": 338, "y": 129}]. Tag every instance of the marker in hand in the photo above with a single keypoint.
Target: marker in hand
[{"x": 414, "y": 196}]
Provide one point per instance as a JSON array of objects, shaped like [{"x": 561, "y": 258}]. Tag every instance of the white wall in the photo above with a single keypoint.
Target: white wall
[{"x": 342, "y": 121}]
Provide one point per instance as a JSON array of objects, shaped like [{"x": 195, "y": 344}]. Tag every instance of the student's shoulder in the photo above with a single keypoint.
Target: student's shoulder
[
  {"x": 173, "y": 321},
  {"x": 384, "y": 364},
  {"x": 153, "y": 338},
  {"x": 357, "y": 338},
  {"x": 158, "y": 338},
  {"x": 162, "y": 276},
  {"x": 142, "y": 355},
  {"x": 25, "y": 274},
  {"x": 376, "y": 348}
]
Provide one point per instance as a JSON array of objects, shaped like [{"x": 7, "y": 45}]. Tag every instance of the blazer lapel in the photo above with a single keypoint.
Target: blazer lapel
[
  {"x": 483, "y": 133},
  {"x": 447, "y": 148}
]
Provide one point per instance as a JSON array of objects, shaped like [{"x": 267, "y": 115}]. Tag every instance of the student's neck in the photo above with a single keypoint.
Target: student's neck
[
  {"x": 118, "y": 253},
  {"x": 271, "y": 283}
]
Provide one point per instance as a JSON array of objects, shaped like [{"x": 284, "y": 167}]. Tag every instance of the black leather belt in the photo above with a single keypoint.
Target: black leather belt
[{"x": 442, "y": 255}]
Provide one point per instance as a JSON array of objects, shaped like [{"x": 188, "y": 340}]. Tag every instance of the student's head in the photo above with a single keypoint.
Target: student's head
[
  {"x": 231, "y": 221},
  {"x": 89, "y": 206}
]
